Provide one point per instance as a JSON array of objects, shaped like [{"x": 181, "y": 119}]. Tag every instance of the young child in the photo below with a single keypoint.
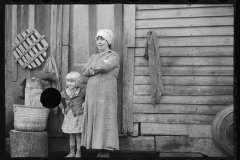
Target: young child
[{"x": 72, "y": 109}]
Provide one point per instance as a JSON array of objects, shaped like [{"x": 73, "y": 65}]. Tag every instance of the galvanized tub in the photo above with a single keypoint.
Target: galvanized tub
[{"x": 30, "y": 119}]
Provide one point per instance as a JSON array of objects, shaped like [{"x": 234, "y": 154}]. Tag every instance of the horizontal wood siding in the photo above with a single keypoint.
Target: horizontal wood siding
[
  {"x": 196, "y": 52},
  {"x": 189, "y": 80},
  {"x": 190, "y": 130},
  {"x": 189, "y": 70},
  {"x": 189, "y": 51},
  {"x": 174, "y": 6},
  {"x": 185, "y": 12},
  {"x": 188, "y": 22},
  {"x": 178, "y": 108}
]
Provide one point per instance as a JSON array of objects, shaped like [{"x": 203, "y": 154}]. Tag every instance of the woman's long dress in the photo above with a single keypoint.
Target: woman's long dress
[{"x": 100, "y": 127}]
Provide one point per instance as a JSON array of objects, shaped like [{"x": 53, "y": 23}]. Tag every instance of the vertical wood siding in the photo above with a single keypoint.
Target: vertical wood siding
[
  {"x": 70, "y": 32},
  {"x": 128, "y": 66},
  {"x": 9, "y": 78},
  {"x": 196, "y": 49},
  {"x": 47, "y": 20}
]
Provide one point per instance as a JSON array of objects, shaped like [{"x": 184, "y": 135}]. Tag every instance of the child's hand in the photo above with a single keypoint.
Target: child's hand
[{"x": 83, "y": 105}]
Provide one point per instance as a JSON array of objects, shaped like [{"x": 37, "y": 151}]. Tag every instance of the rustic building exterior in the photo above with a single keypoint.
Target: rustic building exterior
[{"x": 196, "y": 50}]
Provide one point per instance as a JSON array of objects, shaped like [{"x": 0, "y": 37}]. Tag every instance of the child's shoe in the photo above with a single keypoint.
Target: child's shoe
[
  {"x": 78, "y": 154},
  {"x": 71, "y": 154}
]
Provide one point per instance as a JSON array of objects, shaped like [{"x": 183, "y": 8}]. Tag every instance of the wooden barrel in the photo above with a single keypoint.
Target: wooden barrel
[
  {"x": 30, "y": 119},
  {"x": 222, "y": 129},
  {"x": 28, "y": 144}
]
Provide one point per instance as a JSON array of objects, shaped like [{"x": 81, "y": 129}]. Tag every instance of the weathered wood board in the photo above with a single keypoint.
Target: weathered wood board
[
  {"x": 188, "y": 70},
  {"x": 174, "y": 118},
  {"x": 189, "y": 80},
  {"x": 217, "y": 99},
  {"x": 187, "y": 144},
  {"x": 175, "y": 6},
  {"x": 185, "y": 61},
  {"x": 128, "y": 69},
  {"x": 185, "y": 13},
  {"x": 136, "y": 130},
  {"x": 183, "y": 154},
  {"x": 190, "y": 130},
  {"x": 199, "y": 51},
  {"x": 137, "y": 144},
  {"x": 178, "y": 22},
  {"x": 190, "y": 41},
  {"x": 178, "y": 108},
  {"x": 188, "y": 32},
  {"x": 187, "y": 90}
]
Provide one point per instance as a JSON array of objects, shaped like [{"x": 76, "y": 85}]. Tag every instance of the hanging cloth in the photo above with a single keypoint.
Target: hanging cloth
[
  {"x": 155, "y": 69},
  {"x": 51, "y": 67}
]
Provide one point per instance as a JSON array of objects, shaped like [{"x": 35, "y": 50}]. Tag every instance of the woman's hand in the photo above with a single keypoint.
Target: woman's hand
[
  {"x": 91, "y": 71},
  {"x": 87, "y": 71}
]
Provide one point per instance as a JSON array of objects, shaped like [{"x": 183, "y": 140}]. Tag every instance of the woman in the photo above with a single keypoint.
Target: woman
[{"x": 100, "y": 128}]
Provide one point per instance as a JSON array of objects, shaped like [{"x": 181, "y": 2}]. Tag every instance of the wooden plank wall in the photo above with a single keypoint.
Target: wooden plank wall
[
  {"x": 196, "y": 50},
  {"x": 70, "y": 32},
  {"x": 47, "y": 20}
]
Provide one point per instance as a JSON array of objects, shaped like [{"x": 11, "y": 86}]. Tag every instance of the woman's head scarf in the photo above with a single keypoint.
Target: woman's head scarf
[{"x": 106, "y": 34}]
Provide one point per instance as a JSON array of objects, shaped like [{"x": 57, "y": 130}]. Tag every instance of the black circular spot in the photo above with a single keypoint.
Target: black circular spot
[
  {"x": 50, "y": 98},
  {"x": 46, "y": 1}
]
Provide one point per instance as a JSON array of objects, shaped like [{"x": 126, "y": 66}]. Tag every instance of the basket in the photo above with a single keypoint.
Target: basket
[{"x": 30, "y": 119}]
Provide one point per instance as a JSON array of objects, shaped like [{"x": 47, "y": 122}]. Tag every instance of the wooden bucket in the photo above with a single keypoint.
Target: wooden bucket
[
  {"x": 222, "y": 129},
  {"x": 33, "y": 91},
  {"x": 30, "y": 119}
]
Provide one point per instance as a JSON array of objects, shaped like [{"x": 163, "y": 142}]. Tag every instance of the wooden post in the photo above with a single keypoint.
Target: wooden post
[
  {"x": 14, "y": 34},
  {"x": 128, "y": 67},
  {"x": 28, "y": 144}
]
